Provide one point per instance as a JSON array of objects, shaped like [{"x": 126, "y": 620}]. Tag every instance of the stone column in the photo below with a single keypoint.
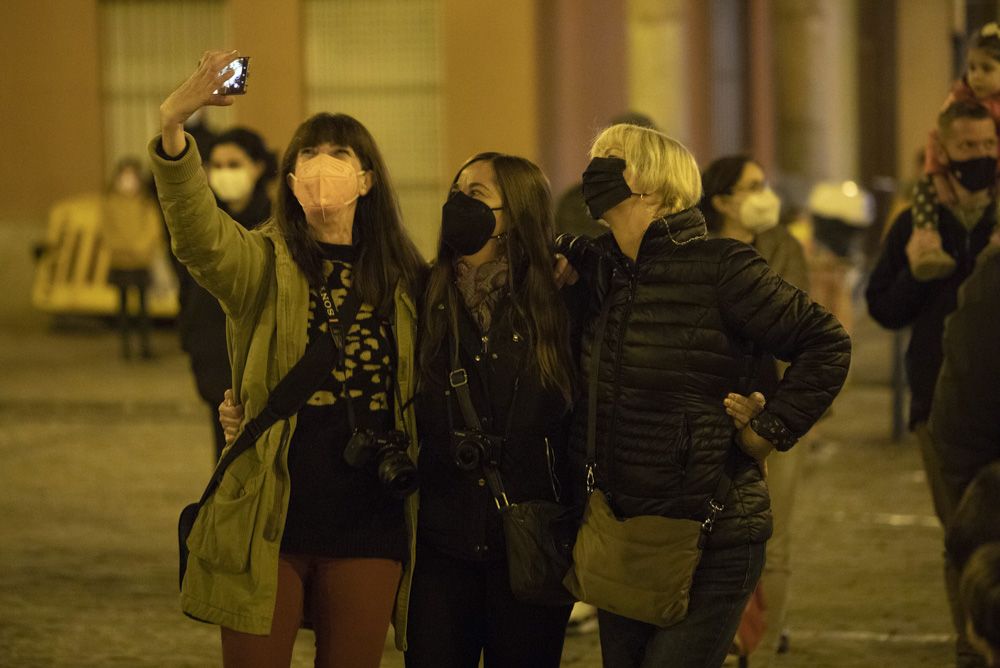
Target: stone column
[
  {"x": 816, "y": 89},
  {"x": 662, "y": 66}
]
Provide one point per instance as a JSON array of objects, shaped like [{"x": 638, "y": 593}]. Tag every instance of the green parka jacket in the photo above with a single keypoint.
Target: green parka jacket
[{"x": 232, "y": 571}]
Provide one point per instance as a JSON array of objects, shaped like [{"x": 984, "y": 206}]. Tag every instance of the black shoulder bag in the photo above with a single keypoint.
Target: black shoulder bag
[
  {"x": 538, "y": 534},
  {"x": 639, "y": 567},
  {"x": 285, "y": 400}
]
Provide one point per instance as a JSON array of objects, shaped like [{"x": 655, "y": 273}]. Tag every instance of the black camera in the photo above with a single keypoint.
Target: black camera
[
  {"x": 475, "y": 449},
  {"x": 387, "y": 450}
]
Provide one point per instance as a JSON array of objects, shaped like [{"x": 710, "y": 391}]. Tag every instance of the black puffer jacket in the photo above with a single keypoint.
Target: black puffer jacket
[{"x": 682, "y": 331}]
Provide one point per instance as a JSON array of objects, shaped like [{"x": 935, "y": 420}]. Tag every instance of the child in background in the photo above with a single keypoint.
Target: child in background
[{"x": 981, "y": 83}]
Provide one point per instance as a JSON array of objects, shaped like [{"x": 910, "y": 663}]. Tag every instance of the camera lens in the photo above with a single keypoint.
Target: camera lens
[
  {"x": 397, "y": 473},
  {"x": 468, "y": 455}
]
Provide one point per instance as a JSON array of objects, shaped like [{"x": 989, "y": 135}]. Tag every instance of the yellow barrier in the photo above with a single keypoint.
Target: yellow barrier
[{"x": 71, "y": 276}]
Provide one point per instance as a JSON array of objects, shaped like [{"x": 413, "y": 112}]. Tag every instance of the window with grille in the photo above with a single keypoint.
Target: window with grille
[
  {"x": 379, "y": 61},
  {"x": 148, "y": 47}
]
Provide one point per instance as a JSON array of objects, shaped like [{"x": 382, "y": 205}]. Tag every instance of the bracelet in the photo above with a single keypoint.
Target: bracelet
[{"x": 770, "y": 427}]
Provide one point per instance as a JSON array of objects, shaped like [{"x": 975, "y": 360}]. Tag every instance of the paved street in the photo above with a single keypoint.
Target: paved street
[{"x": 99, "y": 455}]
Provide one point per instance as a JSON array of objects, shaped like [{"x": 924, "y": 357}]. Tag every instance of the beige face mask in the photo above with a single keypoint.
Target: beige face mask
[
  {"x": 759, "y": 211},
  {"x": 325, "y": 184}
]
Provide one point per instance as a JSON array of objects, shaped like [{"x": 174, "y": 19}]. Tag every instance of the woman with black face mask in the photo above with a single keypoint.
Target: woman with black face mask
[
  {"x": 675, "y": 324},
  {"x": 492, "y": 308}
]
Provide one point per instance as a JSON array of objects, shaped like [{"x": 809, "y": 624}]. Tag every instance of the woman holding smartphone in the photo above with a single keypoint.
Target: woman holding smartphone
[{"x": 293, "y": 528}]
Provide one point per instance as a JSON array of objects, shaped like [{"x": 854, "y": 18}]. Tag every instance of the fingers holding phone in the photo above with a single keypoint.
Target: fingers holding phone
[
  {"x": 212, "y": 84},
  {"x": 236, "y": 71}
]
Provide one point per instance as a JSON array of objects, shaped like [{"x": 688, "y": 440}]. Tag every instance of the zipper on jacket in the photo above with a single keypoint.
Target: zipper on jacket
[
  {"x": 550, "y": 459},
  {"x": 968, "y": 252},
  {"x": 486, "y": 344},
  {"x": 618, "y": 365}
]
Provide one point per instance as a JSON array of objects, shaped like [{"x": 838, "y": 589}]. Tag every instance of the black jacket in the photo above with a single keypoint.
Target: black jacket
[
  {"x": 965, "y": 417},
  {"x": 457, "y": 511},
  {"x": 686, "y": 326},
  {"x": 896, "y": 299}
]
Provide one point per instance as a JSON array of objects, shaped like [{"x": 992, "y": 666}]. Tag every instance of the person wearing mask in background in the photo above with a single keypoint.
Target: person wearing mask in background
[
  {"x": 684, "y": 315},
  {"x": 295, "y": 526},
  {"x": 738, "y": 204},
  {"x": 896, "y": 299},
  {"x": 240, "y": 169},
  {"x": 980, "y": 83},
  {"x": 133, "y": 235},
  {"x": 492, "y": 300}
]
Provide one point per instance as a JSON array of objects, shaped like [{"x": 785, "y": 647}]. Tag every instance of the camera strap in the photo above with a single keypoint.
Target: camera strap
[
  {"x": 285, "y": 400},
  {"x": 458, "y": 379},
  {"x": 340, "y": 322}
]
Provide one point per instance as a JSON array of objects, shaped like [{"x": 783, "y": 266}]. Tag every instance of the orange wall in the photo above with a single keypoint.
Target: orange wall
[
  {"x": 489, "y": 97},
  {"x": 50, "y": 111},
  {"x": 493, "y": 97},
  {"x": 56, "y": 130},
  {"x": 271, "y": 34},
  {"x": 583, "y": 83}
]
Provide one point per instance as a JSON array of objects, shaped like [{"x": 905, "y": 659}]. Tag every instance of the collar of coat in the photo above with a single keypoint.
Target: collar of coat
[{"x": 666, "y": 234}]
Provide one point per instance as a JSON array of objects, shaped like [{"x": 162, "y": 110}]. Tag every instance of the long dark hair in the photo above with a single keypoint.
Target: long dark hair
[
  {"x": 538, "y": 312},
  {"x": 385, "y": 253},
  {"x": 719, "y": 178}
]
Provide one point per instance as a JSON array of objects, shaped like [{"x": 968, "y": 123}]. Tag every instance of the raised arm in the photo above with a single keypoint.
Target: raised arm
[{"x": 220, "y": 254}]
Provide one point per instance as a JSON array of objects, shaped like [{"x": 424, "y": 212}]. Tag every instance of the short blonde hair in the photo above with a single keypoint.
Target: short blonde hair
[{"x": 657, "y": 164}]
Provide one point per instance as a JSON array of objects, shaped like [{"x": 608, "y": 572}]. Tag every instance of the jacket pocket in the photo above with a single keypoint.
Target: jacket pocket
[{"x": 223, "y": 532}]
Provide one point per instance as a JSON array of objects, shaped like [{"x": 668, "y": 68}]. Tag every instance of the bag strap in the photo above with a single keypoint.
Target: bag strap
[
  {"x": 292, "y": 391},
  {"x": 716, "y": 501},
  {"x": 716, "y": 504},
  {"x": 595, "y": 366},
  {"x": 458, "y": 379},
  {"x": 285, "y": 400}
]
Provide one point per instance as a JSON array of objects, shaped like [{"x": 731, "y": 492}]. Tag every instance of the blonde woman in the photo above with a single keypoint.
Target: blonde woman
[{"x": 686, "y": 319}]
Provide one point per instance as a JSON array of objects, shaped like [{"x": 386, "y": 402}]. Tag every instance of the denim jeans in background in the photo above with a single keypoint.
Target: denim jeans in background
[{"x": 723, "y": 582}]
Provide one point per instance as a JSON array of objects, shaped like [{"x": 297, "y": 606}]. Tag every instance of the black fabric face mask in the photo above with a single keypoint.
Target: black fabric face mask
[
  {"x": 467, "y": 223},
  {"x": 604, "y": 185},
  {"x": 975, "y": 174}
]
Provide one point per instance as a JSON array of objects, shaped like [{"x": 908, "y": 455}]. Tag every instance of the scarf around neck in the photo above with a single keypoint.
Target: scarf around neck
[{"x": 481, "y": 288}]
